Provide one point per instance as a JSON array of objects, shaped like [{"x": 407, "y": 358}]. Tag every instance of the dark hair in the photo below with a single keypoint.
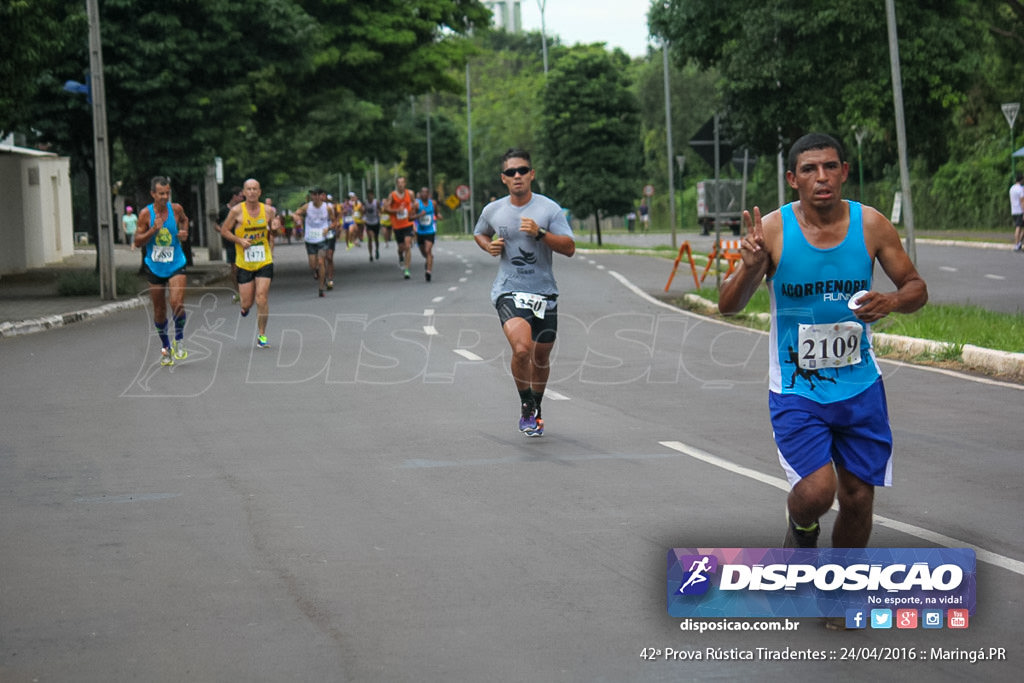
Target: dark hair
[
  {"x": 515, "y": 153},
  {"x": 809, "y": 142},
  {"x": 158, "y": 180}
]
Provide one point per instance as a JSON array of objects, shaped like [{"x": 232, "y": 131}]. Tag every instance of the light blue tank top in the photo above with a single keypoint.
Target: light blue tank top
[
  {"x": 164, "y": 254},
  {"x": 812, "y": 287}
]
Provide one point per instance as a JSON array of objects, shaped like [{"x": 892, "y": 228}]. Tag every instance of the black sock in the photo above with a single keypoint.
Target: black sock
[
  {"x": 536, "y": 400},
  {"x": 526, "y": 396}
]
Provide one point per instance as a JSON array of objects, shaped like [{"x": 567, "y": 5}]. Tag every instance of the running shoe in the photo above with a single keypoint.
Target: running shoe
[
  {"x": 165, "y": 357},
  {"x": 405, "y": 273},
  {"x": 371, "y": 258},
  {"x": 330, "y": 284},
  {"x": 261, "y": 342},
  {"x": 178, "y": 350},
  {"x": 538, "y": 429},
  {"x": 320, "y": 292},
  {"x": 528, "y": 418},
  {"x": 378, "y": 254},
  {"x": 244, "y": 312},
  {"x": 234, "y": 298},
  {"x": 800, "y": 538},
  {"x": 428, "y": 275}
]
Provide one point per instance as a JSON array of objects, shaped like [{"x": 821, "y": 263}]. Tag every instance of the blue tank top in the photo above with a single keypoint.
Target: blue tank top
[
  {"x": 819, "y": 349},
  {"x": 425, "y": 223},
  {"x": 164, "y": 255}
]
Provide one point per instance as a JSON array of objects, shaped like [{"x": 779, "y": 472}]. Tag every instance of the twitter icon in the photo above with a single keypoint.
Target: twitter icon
[{"x": 881, "y": 618}]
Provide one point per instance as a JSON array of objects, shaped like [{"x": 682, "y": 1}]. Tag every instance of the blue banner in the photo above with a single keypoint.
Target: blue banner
[{"x": 819, "y": 582}]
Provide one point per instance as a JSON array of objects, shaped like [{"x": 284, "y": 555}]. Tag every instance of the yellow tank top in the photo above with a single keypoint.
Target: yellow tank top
[{"x": 257, "y": 231}]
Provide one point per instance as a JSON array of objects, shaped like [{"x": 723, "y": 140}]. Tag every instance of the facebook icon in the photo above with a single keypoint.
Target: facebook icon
[{"x": 855, "y": 619}]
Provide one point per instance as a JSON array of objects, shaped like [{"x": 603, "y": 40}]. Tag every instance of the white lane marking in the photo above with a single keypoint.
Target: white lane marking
[
  {"x": 990, "y": 276},
  {"x": 452, "y": 289},
  {"x": 651, "y": 300},
  {"x": 600, "y": 267},
  {"x": 463, "y": 279},
  {"x": 948, "y": 269},
  {"x": 430, "y": 330},
  {"x": 555, "y": 396},
  {"x": 988, "y": 556},
  {"x": 469, "y": 355},
  {"x": 437, "y": 300},
  {"x": 427, "y": 312}
]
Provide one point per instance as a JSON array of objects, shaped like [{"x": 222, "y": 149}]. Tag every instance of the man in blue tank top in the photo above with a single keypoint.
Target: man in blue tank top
[
  {"x": 826, "y": 397},
  {"x": 162, "y": 227}
]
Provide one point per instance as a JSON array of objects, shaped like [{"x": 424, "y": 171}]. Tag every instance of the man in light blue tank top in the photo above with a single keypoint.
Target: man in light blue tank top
[{"x": 826, "y": 396}]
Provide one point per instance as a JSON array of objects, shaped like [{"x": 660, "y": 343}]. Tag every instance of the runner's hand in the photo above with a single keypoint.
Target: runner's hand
[{"x": 752, "y": 246}]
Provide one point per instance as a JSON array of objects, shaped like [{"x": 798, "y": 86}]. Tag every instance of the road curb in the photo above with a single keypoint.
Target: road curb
[
  {"x": 989, "y": 360},
  {"x": 49, "y": 322}
]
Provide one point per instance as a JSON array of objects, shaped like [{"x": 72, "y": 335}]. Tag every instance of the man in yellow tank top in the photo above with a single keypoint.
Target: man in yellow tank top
[{"x": 248, "y": 226}]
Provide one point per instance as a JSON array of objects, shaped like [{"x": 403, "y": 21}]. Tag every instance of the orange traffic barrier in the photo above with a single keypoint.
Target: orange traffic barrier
[
  {"x": 728, "y": 250},
  {"x": 675, "y": 266}
]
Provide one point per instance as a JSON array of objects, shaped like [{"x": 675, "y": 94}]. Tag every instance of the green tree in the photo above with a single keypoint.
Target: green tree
[
  {"x": 34, "y": 31},
  {"x": 794, "y": 67},
  {"x": 591, "y": 133}
]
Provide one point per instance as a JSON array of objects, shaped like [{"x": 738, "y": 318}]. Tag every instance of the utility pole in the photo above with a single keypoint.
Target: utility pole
[
  {"x": 101, "y": 160},
  {"x": 901, "y": 127}
]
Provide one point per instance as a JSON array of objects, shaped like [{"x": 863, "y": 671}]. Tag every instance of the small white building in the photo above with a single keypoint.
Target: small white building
[{"x": 36, "y": 226}]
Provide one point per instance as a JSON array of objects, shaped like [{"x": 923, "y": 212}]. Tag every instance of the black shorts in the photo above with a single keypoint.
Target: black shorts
[
  {"x": 331, "y": 242},
  {"x": 402, "y": 233},
  {"x": 543, "y": 330},
  {"x": 424, "y": 238},
  {"x": 374, "y": 228},
  {"x": 314, "y": 248},
  {"x": 154, "y": 279},
  {"x": 247, "y": 276},
  {"x": 1018, "y": 220}
]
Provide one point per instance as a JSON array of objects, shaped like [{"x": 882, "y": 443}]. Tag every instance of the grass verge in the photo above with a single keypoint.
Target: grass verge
[{"x": 955, "y": 325}]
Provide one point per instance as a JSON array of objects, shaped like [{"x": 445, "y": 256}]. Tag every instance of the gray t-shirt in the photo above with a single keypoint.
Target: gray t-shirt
[{"x": 525, "y": 264}]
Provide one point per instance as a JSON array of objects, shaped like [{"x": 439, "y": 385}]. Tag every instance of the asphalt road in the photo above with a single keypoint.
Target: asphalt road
[{"x": 356, "y": 504}]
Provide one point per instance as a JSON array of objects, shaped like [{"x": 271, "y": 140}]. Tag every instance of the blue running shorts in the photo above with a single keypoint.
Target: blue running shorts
[{"x": 854, "y": 434}]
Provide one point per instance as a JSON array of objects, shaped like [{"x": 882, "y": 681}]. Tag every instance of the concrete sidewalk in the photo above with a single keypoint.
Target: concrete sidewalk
[{"x": 31, "y": 301}]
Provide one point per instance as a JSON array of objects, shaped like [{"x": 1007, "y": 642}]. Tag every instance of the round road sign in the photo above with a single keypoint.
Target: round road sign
[
  {"x": 462, "y": 192},
  {"x": 648, "y": 190}
]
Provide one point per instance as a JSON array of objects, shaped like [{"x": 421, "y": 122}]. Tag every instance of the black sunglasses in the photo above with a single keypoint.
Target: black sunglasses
[{"x": 511, "y": 172}]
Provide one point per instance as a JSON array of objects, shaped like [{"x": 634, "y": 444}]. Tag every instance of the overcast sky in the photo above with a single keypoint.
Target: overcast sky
[{"x": 617, "y": 23}]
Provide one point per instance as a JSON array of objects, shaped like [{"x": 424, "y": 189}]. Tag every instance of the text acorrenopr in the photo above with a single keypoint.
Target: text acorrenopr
[{"x": 855, "y": 577}]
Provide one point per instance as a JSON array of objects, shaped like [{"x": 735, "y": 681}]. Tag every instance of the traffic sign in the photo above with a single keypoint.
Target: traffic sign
[
  {"x": 462, "y": 192},
  {"x": 648, "y": 190}
]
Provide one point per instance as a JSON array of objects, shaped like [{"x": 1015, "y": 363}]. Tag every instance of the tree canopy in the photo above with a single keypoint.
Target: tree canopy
[
  {"x": 591, "y": 132},
  {"x": 793, "y": 67}
]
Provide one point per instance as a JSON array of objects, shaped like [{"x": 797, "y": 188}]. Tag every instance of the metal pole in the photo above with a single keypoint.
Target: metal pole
[
  {"x": 469, "y": 145},
  {"x": 715, "y": 214},
  {"x": 430, "y": 154},
  {"x": 543, "y": 35},
  {"x": 104, "y": 212},
  {"x": 668, "y": 146},
  {"x": 901, "y": 128}
]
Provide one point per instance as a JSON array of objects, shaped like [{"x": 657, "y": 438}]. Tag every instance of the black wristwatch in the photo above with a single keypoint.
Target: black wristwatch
[{"x": 540, "y": 234}]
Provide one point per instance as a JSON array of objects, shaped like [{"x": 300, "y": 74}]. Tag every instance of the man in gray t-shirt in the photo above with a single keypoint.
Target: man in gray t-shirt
[{"x": 525, "y": 229}]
